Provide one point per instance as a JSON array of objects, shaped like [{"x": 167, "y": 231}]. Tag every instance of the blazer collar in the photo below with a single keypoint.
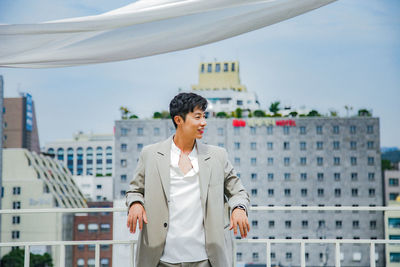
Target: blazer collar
[{"x": 163, "y": 165}]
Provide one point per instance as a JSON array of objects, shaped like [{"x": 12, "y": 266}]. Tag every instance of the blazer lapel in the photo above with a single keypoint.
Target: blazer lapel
[
  {"x": 163, "y": 160},
  {"x": 204, "y": 173}
]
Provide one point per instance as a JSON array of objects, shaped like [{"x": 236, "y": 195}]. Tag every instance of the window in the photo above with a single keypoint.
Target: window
[
  {"x": 354, "y": 176},
  {"x": 320, "y": 161},
  {"x": 123, "y": 163},
  {"x": 304, "y": 224},
  {"x": 336, "y": 161},
  {"x": 254, "y": 176},
  {"x": 15, "y": 234},
  {"x": 336, "y": 176},
  {"x": 123, "y": 193},
  {"x": 303, "y": 192},
  {"x": 338, "y": 192},
  {"x": 371, "y": 161},
  {"x": 237, "y": 145},
  {"x": 288, "y": 224},
  {"x": 140, "y": 131},
  {"x": 156, "y": 131},
  {"x": 303, "y": 146},
  {"x": 233, "y": 67},
  {"x": 270, "y": 161},
  {"x": 16, "y": 190},
  {"x": 16, "y": 205},
  {"x": 335, "y": 129},
  {"x": 354, "y": 192},
  {"x": 320, "y": 192},
  {"x": 320, "y": 176},
  {"x": 124, "y": 131},
  {"x": 271, "y": 224},
  {"x": 270, "y": 130},
  {"x": 253, "y": 161},
  {"x": 289, "y": 256},
  {"x": 371, "y": 192},
  {"x": 287, "y": 192},
  {"x": 320, "y": 145},
  {"x": 302, "y": 130},
  {"x": 93, "y": 227},
  {"x": 338, "y": 224},
  {"x": 303, "y": 161},
  {"x": 105, "y": 227},
  {"x": 394, "y": 257},
  {"x": 236, "y": 130},
  {"x": 255, "y": 256},
  {"x": 237, "y": 161},
  {"x": 253, "y": 130},
  {"x": 270, "y": 176},
  {"x": 80, "y": 247},
  {"x": 353, "y": 161},
  {"x": 16, "y": 219},
  {"x": 99, "y": 186},
  {"x": 81, "y": 227},
  {"x": 254, "y": 223},
  {"x": 321, "y": 223},
  {"x": 371, "y": 176},
  {"x": 124, "y": 147},
  {"x": 209, "y": 68},
  {"x": 393, "y": 196},
  {"x": 372, "y": 225},
  {"x": 336, "y": 145},
  {"x": 353, "y": 145},
  {"x": 123, "y": 177},
  {"x": 225, "y": 67},
  {"x": 270, "y": 146},
  {"x": 286, "y": 145},
  {"x": 370, "y": 145},
  {"x": 91, "y": 247},
  {"x": 370, "y": 129},
  {"x": 319, "y": 129},
  {"x": 217, "y": 67},
  {"x": 303, "y": 176},
  {"x": 286, "y": 130},
  {"x": 286, "y": 176},
  {"x": 239, "y": 256},
  {"x": 352, "y": 129},
  {"x": 239, "y": 102},
  {"x": 270, "y": 192},
  {"x": 253, "y": 192},
  {"x": 356, "y": 224},
  {"x": 104, "y": 262},
  {"x": 91, "y": 262},
  {"x": 220, "y": 131},
  {"x": 221, "y": 144},
  {"x": 393, "y": 182},
  {"x": 253, "y": 146},
  {"x": 286, "y": 161}
]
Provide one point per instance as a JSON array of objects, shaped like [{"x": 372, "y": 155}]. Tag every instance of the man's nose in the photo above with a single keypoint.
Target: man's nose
[{"x": 204, "y": 122}]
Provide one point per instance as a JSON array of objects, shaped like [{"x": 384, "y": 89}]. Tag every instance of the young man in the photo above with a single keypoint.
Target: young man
[{"x": 180, "y": 195}]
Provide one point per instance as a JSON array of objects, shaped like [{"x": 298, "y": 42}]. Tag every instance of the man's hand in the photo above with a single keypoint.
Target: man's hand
[
  {"x": 136, "y": 212},
  {"x": 239, "y": 219}
]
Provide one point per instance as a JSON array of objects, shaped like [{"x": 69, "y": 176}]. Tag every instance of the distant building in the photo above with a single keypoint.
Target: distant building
[
  {"x": 32, "y": 181},
  {"x": 93, "y": 226},
  {"x": 392, "y": 186},
  {"x": 392, "y": 232},
  {"x": 20, "y": 124},
  {"x": 89, "y": 157},
  {"x": 309, "y": 161},
  {"x": 219, "y": 82}
]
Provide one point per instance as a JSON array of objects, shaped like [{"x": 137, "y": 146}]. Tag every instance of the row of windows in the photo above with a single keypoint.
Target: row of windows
[
  {"x": 94, "y": 227},
  {"x": 304, "y": 192},
  {"x": 338, "y": 224},
  {"x": 303, "y": 161},
  {"x": 218, "y": 67},
  {"x": 304, "y": 176},
  {"x": 92, "y": 247},
  {"x": 104, "y": 262},
  {"x": 140, "y": 131},
  {"x": 79, "y": 151},
  {"x": 393, "y": 182}
]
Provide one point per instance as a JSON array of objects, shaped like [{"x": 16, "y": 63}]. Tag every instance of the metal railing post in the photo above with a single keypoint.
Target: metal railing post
[
  {"x": 97, "y": 255},
  {"x": 372, "y": 255},
  {"x": 337, "y": 254},
  {"x": 132, "y": 246},
  {"x": 268, "y": 254},
  {"x": 62, "y": 256},
  {"x": 27, "y": 259},
  {"x": 302, "y": 254}
]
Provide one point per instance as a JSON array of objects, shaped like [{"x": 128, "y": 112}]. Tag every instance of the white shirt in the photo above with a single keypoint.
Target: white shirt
[{"x": 185, "y": 237}]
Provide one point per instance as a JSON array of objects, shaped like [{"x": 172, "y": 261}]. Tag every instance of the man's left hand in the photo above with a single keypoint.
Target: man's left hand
[{"x": 239, "y": 219}]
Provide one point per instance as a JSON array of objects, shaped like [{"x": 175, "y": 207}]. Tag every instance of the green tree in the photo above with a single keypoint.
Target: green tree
[
  {"x": 222, "y": 114},
  {"x": 386, "y": 165},
  {"x": 293, "y": 114},
  {"x": 157, "y": 115},
  {"x": 333, "y": 113},
  {"x": 165, "y": 114},
  {"x": 133, "y": 116},
  {"x": 238, "y": 113},
  {"x": 15, "y": 258},
  {"x": 313, "y": 113},
  {"x": 364, "y": 113},
  {"x": 124, "y": 112},
  {"x": 274, "y": 107},
  {"x": 259, "y": 113}
]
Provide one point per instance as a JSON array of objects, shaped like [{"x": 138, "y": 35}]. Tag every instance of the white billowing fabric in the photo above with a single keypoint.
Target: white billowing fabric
[
  {"x": 143, "y": 28},
  {"x": 185, "y": 240}
]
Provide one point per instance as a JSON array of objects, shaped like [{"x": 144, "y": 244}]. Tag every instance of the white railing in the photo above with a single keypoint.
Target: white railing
[{"x": 267, "y": 242}]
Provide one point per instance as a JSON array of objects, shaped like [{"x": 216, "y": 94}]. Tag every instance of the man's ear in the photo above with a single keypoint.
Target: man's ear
[{"x": 178, "y": 120}]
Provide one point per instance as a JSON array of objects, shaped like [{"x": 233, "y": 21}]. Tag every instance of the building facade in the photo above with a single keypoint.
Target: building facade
[
  {"x": 392, "y": 232},
  {"x": 326, "y": 161},
  {"x": 219, "y": 83},
  {"x": 20, "y": 124},
  {"x": 392, "y": 186},
  {"x": 32, "y": 181},
  {"x": 93, "y": 226}
]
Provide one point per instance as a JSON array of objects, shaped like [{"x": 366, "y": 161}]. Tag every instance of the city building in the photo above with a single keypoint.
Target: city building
[
  {"x": 308, "y": 161},
  {"x": 32, "y": 181},
  {"x": 93, "y": 226},
  {"x": 87, "y": 156},
  {"x": 392, "y": 186},
  {"x": 392, "y": 232},
  {"x": 20, "y": 124},
  {"x": 219, "y": 83}
]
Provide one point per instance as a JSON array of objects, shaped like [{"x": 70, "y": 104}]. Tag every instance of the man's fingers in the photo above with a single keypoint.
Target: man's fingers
[
  {"x": 134, "y": 224},
  {"x": 145, "y": 217},
  {"x": 231, "y": 224},
  {"x": 140, "y": 222},
  {"x": 235, "y": 227},
  {"x": 242, "y": 230}
]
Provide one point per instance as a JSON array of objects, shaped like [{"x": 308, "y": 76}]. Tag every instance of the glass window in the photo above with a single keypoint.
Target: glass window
[
  {"x": 217, "y": 67},
  {"x": 353, "y": 161},
  {"x": 356, "y": 224},
  {"x": 394, "y": 256},
  {"x": 271, "y": 224},
  {"x": 336, "y": 145},
  {"x": 105, "y": 227},
  {"x": 16, "y": 190},
  {"x": 319, "y": 129},
  {"x": 270, "y": 176},
  {"x": 16, "y": 219},
  {"x": 139, "y": 147},
  {"x": 220, "y": 131},
  {"x": 304, "y": 224},
  {"x": 336, "y": 161},
  {"x": 104, "y": 262},
  {"x": 352, "y": 129},
  {"x": 320, "y": 161},
  {"x": 303, "y": 176},
  {"x": 80, "y": 262},
  {"x": 320, "y": 145},
  {"x": 16, "y": 205},
  {"x": 270, "y": 130},
  {"x": 338, "y": 192},
  {"x": 237, "y": 161},
  {"x": 123, "y": 177},
  {"x": 254, "y": 176},
  {"x": 302, "y": 130},
  {"x": 320, "y": 176},
  {"x": 124, "y": 131},
  {"x": 393, "y": 196},
  {"x": 91, "y": 262},
  {"x": 320, "y": 192},
  {"x": 254, "y": 192},
  {"x": 303, "y": 161},
  {"x": 233, "y": 67},
  {"x": 286, "y": 145},
  {"x": 354, "y": 176},
  {"x": 123, "y": 163},
  {"x": 371, "y": 176},
  {"x": 286, "y": 130},
  {"x": 370, "y": 145},
  {"x": 91, "y": 247},
  {"x": 202, "y": 68},
  {"x": 287, "y": 192},
  {"x": 253, "y": 146},
  {"x": 288, "y": 224},
  {"x": 253, "y": 161},
  {"x": 394, "y": 223},
  {"x": 336, "y": 176},
  {"x": 270, "y": 161},
  {"x": 81, "y": 227},
  {"x": 370, "y": 129},
  {"x": 393, "y": 182},
  {"x": 371, "y": 161},
  {"x": 93, "y": 227},
  {"x": 286, "y": 161},
  {"x": 303, "y": 192},
  {"x": 270, "y": 192},
  {"x": 354, "y": 192},
  {"x": 286, "y": 176},
  {"x": 156, "y": 130},
  {"x": 270, "y": 146},
  {"x": 253, "y": 130},
  {"x": 225, "y": 67},
  {"x": 303, "y": 146},
  {"x": 353, "y": 145},
  {"x": 209, "y": 67},
  {"x": 140, "y": 131},
  {"x": 335, "y": 129},
  {"x": 237, "y": 145},
  {"x": 371, "y": 192},
  {"x": 124, "y": 147},
  {"x": 288, "y": 256},
  {"x": 338, "y": 224}
]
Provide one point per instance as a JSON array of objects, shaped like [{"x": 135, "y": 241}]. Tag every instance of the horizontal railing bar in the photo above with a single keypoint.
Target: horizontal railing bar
[
  {"x": 68, "y": 243},
  {"x": 259, "y": 208},
  {"x": 319, "y": 241}
]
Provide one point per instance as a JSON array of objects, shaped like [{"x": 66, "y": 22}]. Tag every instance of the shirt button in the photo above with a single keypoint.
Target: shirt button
[{"x": 165, "y": 225}]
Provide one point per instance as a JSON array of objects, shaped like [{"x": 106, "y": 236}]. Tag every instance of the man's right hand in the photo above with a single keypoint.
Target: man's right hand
[{"x": 136, "y": 212}]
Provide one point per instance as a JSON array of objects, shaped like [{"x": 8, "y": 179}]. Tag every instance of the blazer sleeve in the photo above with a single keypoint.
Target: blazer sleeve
[
  {"x": 136, "y": 190},
  {"x": 233, "y": 188}
]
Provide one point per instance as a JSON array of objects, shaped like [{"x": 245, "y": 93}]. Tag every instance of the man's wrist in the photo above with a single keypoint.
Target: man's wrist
[{"x": 240, "y": 206}]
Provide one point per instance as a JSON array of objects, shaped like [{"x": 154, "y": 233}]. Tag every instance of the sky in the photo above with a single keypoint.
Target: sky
[{"x": 346, "y": 53}]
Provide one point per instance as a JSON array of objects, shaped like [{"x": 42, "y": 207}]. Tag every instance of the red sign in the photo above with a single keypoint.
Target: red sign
[
  {"x": 239, "y": 123},
  {"x": 285, "y": 123}
]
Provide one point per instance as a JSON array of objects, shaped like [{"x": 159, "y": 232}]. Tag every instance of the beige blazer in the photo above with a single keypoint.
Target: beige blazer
[{"x": 220, "y": 189}]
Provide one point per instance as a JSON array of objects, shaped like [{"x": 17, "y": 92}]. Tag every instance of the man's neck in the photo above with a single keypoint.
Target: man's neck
[{"x": 183, "y": 143}]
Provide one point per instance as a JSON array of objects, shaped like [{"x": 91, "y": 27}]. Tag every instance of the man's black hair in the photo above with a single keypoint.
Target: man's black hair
[{"x": 184, "y": 103}]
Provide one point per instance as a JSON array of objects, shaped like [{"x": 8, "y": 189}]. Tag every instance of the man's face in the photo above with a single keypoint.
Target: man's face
[{"x": 193, "y": 126}]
